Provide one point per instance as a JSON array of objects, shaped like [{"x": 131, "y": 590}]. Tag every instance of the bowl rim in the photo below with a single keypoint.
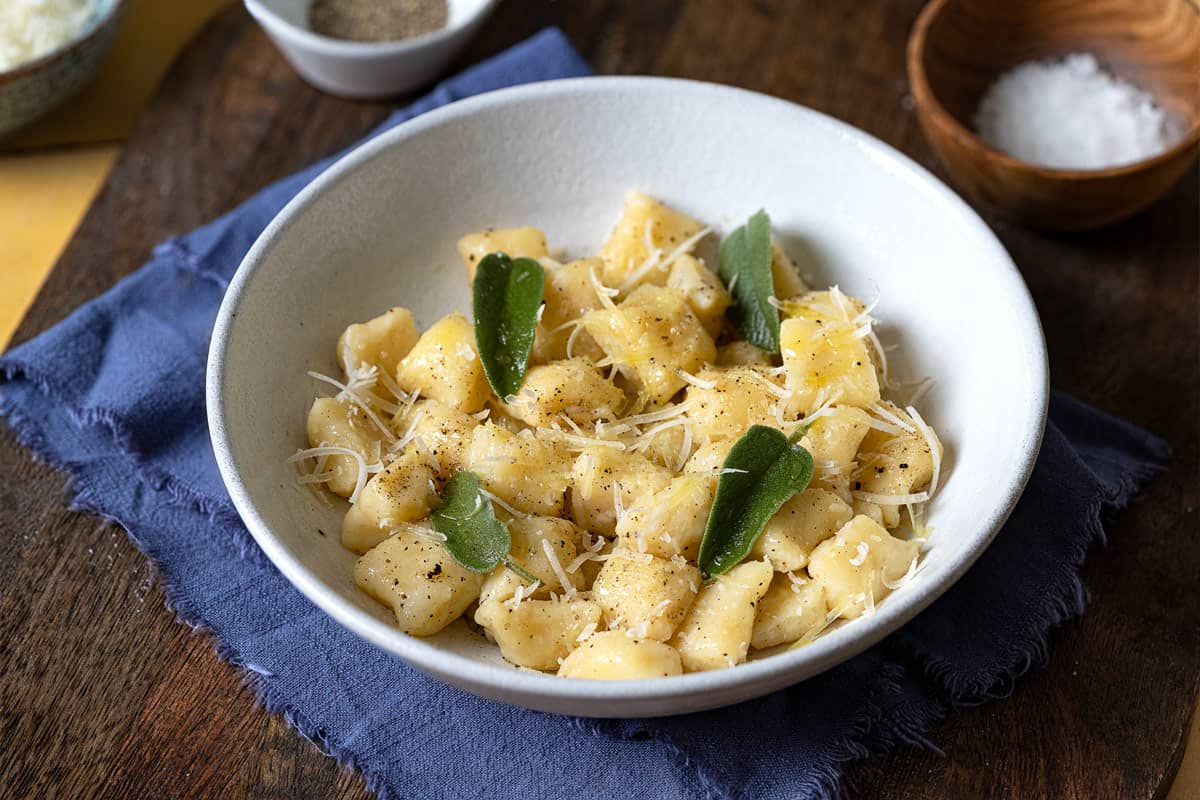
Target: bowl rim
[
  {"x": 779, "y": 670},
  {"x": 332, "y": 46},
  {"x": 927, "y": 101},
  {"x": 94, "y": 29}
]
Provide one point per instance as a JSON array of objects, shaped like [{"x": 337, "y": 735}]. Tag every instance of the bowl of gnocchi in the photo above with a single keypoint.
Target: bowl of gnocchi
[{"x": 625, "y": 396}]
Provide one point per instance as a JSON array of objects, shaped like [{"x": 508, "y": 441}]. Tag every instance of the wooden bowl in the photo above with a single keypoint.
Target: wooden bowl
[{"x": 959, "y": 47}]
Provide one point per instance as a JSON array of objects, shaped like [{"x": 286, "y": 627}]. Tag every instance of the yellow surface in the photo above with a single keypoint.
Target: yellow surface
[
  {"x": 44, "y": 193},
  {"x": 42, "y": 198}
]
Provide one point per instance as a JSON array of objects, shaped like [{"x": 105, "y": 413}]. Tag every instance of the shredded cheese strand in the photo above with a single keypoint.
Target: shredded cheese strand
[
  {"x": 557, "y": 566},
  {"x": 927, "y": 432},
  {"x": 360, "y": 402},
  {"x": 892, "y": 499}
]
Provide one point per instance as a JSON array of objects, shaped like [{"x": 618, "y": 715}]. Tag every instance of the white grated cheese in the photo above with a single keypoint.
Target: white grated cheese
[
  {"x": 883, "y": 362},
  {"x": 584, "y": 634},
  {"x": 584, "y": 442},
  {"x": 891, "y": 499},
  {"x": 903, "y": 579},
  {"x": 796, "y": 581},
  {"x": 412, "y": 431},
  {"x": 364, "y": 468},
  {"x": 881, "y": 410},
  {"x": 694, "y": 381},
  {"x": 604, "y": 293},
  {"x": 501, "y": 503},
  {"x": 557, "y": 566},
  {"x": 658, "y": 416},
  {"x": 886, "y": 427},
  {"x": 353, "y": 396},
  {"x": 390, "y": 384},
  {"x": 861, "y": 549},
  {"x": 639, "y": 631},
  {"x": 685, "y": 448},
  {"x": 933, "y": 450}
]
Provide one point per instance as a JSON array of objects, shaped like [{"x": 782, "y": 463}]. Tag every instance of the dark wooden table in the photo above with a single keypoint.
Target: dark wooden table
[{"x": 102, "y": 693}]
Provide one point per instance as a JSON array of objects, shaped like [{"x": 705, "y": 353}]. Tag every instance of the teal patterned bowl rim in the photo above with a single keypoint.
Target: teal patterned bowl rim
[{"x": 106, "y": 14}]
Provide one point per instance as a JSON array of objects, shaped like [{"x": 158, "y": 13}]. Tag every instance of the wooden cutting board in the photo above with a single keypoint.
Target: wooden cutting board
[{"x": 102, "y": 693}]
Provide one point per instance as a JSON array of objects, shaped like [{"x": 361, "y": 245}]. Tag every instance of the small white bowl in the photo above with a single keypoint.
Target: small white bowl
[
  {"x": 367, "y": 70},
  {"x": 378, "y": 229}
]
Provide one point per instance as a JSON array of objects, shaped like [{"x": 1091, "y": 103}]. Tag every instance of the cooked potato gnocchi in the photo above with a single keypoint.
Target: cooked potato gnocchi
[{"x": 603, "y": 466}]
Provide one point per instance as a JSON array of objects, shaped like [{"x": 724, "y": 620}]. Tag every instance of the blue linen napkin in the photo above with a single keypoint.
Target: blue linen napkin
[{"x": 114, "y": 394}]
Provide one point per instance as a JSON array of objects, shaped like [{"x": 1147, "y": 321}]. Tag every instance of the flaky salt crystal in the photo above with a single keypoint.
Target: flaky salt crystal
[{"x": 1069, "y": 113}]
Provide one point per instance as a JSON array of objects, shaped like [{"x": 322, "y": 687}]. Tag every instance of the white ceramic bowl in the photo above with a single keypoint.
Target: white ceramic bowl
[
  {"x": 378, "y": 229},
  {"x": 364, "y": 70}
]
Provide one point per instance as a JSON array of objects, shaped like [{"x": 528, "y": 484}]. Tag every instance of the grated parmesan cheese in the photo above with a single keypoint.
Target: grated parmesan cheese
[{"x": 557, "y": 566}]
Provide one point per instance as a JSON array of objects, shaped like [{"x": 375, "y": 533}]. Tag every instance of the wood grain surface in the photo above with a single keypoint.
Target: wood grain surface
[{"x": 103, "y": 694}]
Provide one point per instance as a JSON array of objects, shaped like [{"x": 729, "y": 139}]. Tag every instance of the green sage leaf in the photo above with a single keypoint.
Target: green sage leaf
[
  {"x": 762, "y": 472},
  {"x": 506, "y": 295},
  {"x": 474, "y": 537},
  {"x": 745, "y": 269}
]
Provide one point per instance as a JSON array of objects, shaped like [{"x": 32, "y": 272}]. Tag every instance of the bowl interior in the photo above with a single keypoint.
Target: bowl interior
[
  {"x": 1152, "y": 43},
  {"x": 379, "y": 230}
]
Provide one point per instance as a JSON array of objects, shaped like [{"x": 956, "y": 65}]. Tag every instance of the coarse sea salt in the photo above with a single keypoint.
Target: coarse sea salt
[{"x": 1070, "y": 113}]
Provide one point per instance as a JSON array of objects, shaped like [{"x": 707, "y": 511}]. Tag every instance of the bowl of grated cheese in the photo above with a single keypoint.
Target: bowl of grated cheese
[
  {"x": 48, "y": 51},
  {"x": 1060, "y": 115},
  {"x": 377, "y": 230}
]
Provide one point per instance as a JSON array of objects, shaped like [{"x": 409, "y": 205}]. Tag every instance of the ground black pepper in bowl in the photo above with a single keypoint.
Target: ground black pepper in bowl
[{"x": 377, "y": 20}]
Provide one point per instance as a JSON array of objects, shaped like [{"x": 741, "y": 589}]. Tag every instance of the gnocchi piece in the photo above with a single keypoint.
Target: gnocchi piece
[
  {"x": 418, "y": 579},
  {"x": 403, "y": 492},
  {"x": 708, "y": 458},
  {"x": 601, "y": 474},
  {"x": 524, "y": 242},
  {"x": 343, "y": 424},
  {"x": 612, "y": 655},
  {"x": 380, "y": 342},
  {"x": 644, "y": 595},
  {"x": 645, "y": 225},
  {"x": 669, "y": 522},
  {"x": 792, "y": 607},
  {"x": 669, "y": 444},
  {"x": 650, "y": 336},
  {"x": 716, "y": 631},
  {"x": 439, "y": 432},
  {"x": 826, "y": 361},
  {"x": 591, "y": 568},
  {"x": 742, "y": 354},
  {"x": 530, "y": 538},
  {"x": 574, "y": 388},
  {"x": 803, "y": 522},
  {"x": 569, "y": 295},
  {"x": 896, "y": 464},
  {"x": 886, "y": 515},
  {"x": 784, "y": 275},
  {"x": 537, "y": 633},
  {"x": 732, "y": 399},
  {"x": 705, "y": 293},
  {"x": 523, "y": 471},
  {"x": 443, "y": 365},
  {"x": 856, "y": 564},
  {"x": 834, "y": 439}
]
